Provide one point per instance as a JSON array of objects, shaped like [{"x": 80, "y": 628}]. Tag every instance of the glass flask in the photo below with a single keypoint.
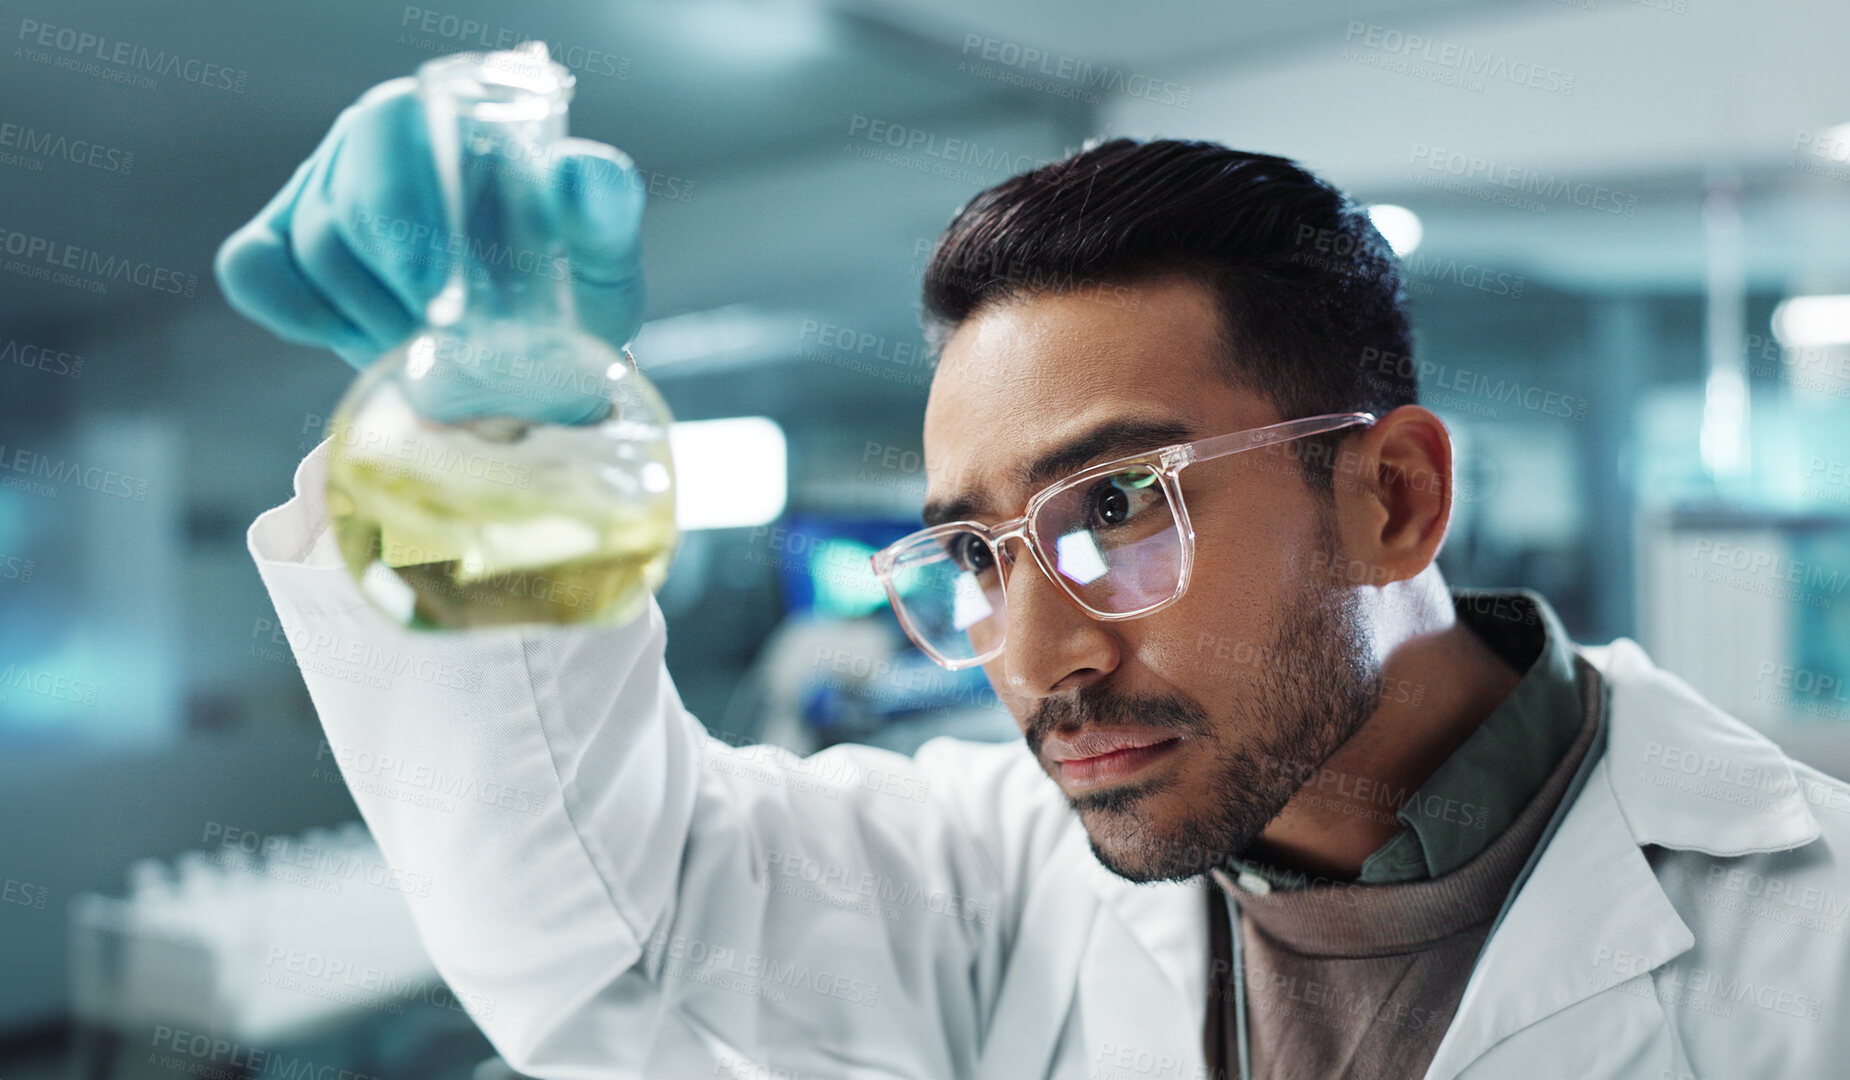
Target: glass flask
[{"x": 501, "y": 465}]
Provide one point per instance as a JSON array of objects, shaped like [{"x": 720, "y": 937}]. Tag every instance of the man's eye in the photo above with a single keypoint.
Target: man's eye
[
  {"x": 969, "y": 552},
  {"x": 1117, "y": 499}
]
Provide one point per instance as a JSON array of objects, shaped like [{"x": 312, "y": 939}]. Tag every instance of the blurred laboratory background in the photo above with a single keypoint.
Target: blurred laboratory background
[{"x": 1626, "y": 231}]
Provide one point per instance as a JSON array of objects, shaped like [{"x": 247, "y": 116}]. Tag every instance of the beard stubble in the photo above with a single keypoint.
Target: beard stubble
[{"x": 1316, "y": 692}]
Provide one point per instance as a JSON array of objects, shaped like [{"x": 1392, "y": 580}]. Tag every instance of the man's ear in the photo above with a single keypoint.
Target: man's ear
[{"x": 1394, "y": 494}]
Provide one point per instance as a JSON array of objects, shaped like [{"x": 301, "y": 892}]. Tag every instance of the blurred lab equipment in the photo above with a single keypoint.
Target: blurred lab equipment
[
  {"x": 838, "y": 668},
  {"x": 259, "y": 952}
]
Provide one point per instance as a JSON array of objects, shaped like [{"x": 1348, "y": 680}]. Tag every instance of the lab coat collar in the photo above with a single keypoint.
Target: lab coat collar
[
  {"x": 1098, "y": 945},
  {"x": 1688, "y": 776},
  {"x": 1058, "y": 913},
  {"x": 1593, "y": 914},
  {"x": 1147, "y": 914},
  {"x": 1146, "y": 935}
]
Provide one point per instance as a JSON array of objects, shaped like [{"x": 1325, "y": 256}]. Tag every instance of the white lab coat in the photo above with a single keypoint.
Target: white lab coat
[{"x": 613, "y": 893}]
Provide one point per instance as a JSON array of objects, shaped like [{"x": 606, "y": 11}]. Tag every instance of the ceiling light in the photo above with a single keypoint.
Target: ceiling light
[
  {"x": 729, "y": 473},
  {"x": 1399, "y": 226},
  {"x": 1803, "y": 322}
]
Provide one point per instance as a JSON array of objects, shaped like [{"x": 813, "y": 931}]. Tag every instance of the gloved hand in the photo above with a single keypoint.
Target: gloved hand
[{"x": 302, "y": 268}]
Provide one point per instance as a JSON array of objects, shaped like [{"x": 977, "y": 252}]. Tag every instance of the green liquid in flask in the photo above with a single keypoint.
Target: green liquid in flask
[
  {"x": 494, "y": 520},
  {"x": 468, "y": 556}
]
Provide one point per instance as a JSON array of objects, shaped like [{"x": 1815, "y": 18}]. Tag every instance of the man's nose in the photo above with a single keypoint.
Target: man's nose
[{"x": 1052, "y": 646}]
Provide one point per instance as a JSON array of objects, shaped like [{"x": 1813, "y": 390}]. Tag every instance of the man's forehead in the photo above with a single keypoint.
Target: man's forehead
[
  {"x": 1026, "y": 381},
  {"x": 1168, "y": 327}
]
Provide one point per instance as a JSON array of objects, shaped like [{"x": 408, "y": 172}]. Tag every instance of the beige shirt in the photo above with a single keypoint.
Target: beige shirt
[{"x": 1358, "y": 980}]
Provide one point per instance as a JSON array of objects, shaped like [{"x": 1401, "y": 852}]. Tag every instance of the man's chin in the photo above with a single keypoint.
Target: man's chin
[
  {"x": 1154, "y": 832},
  {"x": 1127, "y": 843},
  {"x": 1142, "y": 862}
]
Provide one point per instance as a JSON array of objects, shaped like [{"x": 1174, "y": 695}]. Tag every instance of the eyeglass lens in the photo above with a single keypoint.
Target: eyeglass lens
[{"x": 1112, "y": 540}]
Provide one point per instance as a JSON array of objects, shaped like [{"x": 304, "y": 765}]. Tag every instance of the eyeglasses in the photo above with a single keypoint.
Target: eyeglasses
[{"x": 1115, "y": 537}]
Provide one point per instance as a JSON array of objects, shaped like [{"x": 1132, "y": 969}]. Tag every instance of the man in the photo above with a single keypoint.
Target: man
[{"x": 1289, "y": 806}]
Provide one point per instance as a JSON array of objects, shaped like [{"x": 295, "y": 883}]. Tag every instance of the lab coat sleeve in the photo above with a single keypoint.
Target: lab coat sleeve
[{"x": 610, "y": 891}]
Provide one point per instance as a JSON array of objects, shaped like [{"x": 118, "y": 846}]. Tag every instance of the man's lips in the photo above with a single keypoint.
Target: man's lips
[{"x": 1100, "y": 756}]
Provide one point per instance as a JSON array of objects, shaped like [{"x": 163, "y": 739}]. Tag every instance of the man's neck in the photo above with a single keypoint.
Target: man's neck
[{"x": 1439, "y": 682}]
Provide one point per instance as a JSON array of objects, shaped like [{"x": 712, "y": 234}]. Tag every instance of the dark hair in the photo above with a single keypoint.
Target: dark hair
[{"x": 1310, "y": 293}]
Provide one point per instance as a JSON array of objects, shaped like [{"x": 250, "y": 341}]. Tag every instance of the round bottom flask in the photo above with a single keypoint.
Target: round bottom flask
[{"x": 502, "y": 466}]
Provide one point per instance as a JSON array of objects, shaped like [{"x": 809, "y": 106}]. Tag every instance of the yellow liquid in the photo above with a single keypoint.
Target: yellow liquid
[{"x": 506, "y": 546}]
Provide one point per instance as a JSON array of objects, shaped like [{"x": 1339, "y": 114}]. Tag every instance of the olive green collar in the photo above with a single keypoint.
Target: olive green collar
[{"x": 1476, "y": 792}]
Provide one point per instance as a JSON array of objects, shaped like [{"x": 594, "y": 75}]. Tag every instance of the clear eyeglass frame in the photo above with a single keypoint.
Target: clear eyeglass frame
[{"x": 1167, "y": 462}]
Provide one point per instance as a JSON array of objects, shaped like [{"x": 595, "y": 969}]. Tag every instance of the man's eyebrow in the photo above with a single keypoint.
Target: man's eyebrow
[{"x": 1113, "y": 438}]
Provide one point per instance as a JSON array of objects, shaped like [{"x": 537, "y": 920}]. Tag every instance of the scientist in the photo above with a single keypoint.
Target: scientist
[{"x": 1287, "y": 805}]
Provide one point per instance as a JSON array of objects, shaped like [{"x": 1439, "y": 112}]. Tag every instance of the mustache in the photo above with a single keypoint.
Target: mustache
[{"x": 1102, "y": 706}]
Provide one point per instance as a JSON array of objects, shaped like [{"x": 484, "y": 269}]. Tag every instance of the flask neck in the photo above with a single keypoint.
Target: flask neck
[{"x": 494, "y": 138}]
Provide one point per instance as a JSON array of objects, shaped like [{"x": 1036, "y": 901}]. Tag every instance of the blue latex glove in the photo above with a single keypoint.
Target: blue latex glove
[{"x": 302, "y": 268}]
